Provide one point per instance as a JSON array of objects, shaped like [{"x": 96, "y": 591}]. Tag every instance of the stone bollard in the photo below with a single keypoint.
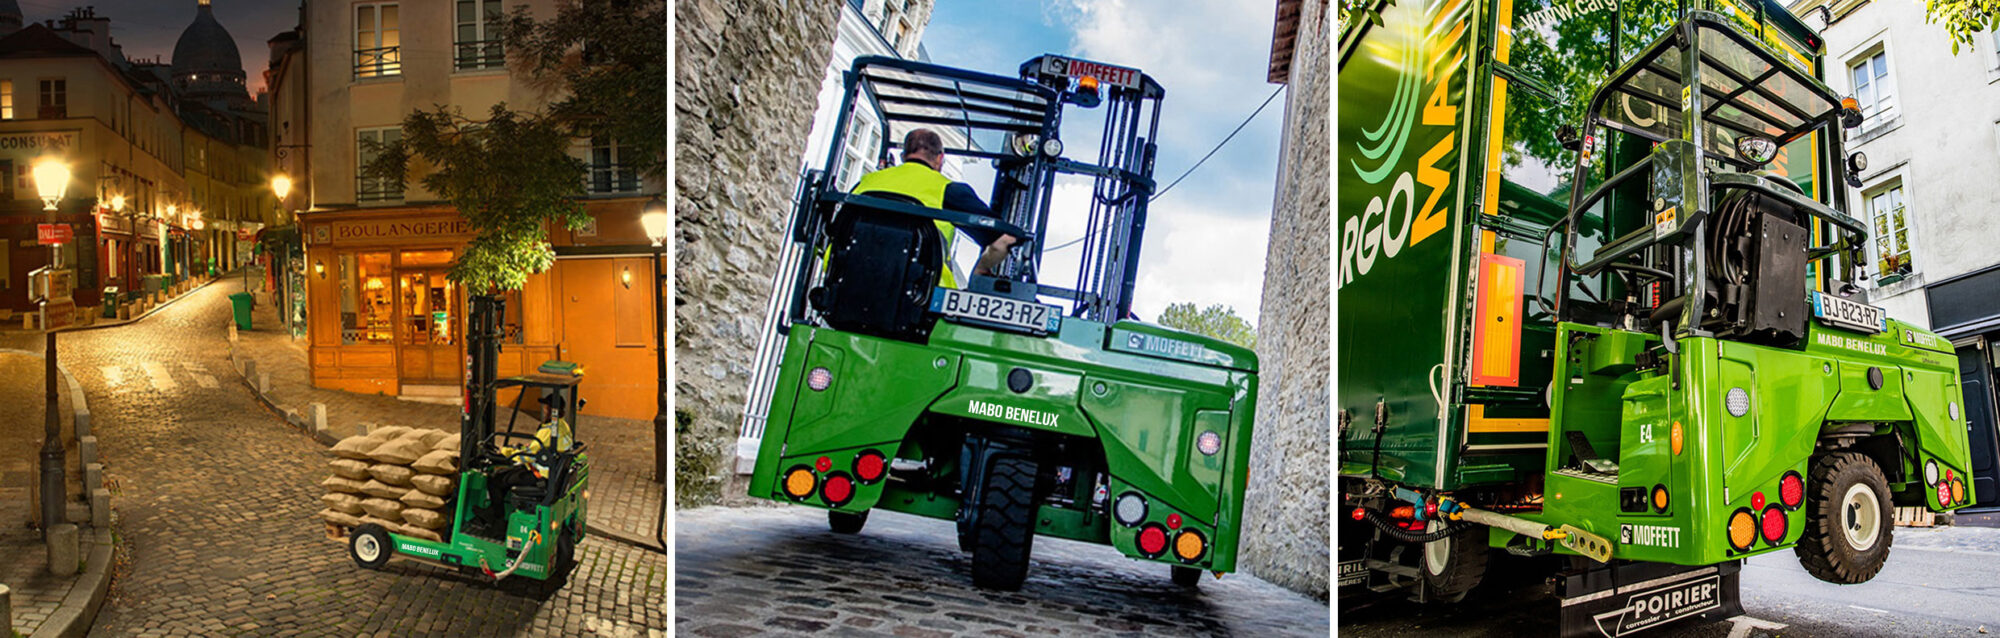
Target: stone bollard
[
  {"x": 7, "y": 609},
  {"x": 316, "y": 413},
  {"x": 63, "y": 548},
  {"x": 86, "y": 447},
  {"x": 263, "y": 383},
  {"x": 93, "y": 476},
  {"x": 250, "y": 369},
  {"x": 100, "y": 508},
  {"x": 82, "y": 424}
]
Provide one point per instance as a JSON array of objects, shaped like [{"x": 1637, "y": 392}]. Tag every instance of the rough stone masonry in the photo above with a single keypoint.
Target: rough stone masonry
[
  {"x": 1285, "y": 508},
  {"x": 746, "y": 82}
]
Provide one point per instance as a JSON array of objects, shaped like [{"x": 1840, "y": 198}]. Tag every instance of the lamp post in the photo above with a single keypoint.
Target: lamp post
[
  {"x": 51, "y": 179},
  {"x": 654, "y": 218},
  {"x": 281, "y": 185}
]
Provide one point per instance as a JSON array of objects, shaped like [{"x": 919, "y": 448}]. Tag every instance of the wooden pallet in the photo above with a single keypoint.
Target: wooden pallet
[{"x": 1915, "y": 517}]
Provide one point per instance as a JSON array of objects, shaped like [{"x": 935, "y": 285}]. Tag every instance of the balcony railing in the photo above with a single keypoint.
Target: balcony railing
[
  {"x": 377, "y": 190},
  {"x": 378, "y": 62},
  {"x": 480, "y": 54},
  {"x": 611, "y": 178}
]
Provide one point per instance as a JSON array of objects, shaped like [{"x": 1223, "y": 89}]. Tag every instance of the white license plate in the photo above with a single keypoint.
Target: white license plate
[
  {"x": 1853, "y": 315},
  {"x": 1037, "y": 317}
]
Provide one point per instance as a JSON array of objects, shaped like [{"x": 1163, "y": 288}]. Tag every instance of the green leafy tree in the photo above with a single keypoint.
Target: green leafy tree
[
  {"x": 508, "y": 176},
  {"x": 609, "y": 57},
  {"x": 1963, "y": 18},
  {"x": 1216, "y": 320}
]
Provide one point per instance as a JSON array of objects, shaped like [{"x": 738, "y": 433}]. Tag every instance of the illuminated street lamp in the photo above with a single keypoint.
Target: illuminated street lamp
[
  {"x": 51, "y": 180},
  {"x": 655, "y": 218},
  {"x": 118, "y": 203},
  {"x": 281, "y": 185}
]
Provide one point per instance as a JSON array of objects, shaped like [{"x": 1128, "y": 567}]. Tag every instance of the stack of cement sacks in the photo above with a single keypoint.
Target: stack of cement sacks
[{"x": 401, "y": 478}]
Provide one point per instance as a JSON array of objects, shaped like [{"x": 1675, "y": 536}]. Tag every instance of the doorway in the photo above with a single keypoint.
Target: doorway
[{"x": 430, "y": 314}]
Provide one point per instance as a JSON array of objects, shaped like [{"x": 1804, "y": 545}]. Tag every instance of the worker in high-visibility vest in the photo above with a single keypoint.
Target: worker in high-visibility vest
[{"x": 918, "y": 177}]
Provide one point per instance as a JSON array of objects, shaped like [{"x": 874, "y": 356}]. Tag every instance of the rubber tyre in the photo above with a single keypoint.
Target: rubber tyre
[
  {"x": 846, "y": 522},
  {"x": 1188, "y": 577},
  {"x": 1826, "y": 549},
  {"x": 1452, "y": 566},
  {"x": 1003, "y": 529},
  {"x": 369, "y": 546},
  {"x": 560, "y": 565}
]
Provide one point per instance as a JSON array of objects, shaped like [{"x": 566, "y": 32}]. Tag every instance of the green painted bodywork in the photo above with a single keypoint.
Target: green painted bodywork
[
  {"x": 1417, "y": 91},
  {"x": 541, "y": 525},
  {"x": 1143, "y": 392}
]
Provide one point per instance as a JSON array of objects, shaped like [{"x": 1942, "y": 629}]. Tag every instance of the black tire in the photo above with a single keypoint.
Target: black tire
[
  {"x": 1188, "y": 577},
  {"x": 369, "y": 546},
  {"x": 561, "y": 563},
  {"x": 1838, "y": 546},
  {"x": 1452, "y": 565},
  {"x": 1003, "y": 529},
  {"x": 846, "y": 522}
]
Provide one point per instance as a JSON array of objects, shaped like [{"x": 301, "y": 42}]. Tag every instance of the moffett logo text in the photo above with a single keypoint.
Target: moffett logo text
[{"x": 1662, "y": 605}]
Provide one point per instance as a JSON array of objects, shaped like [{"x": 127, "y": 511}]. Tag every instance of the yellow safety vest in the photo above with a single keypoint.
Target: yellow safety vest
[{"x": 916, "y": 180}]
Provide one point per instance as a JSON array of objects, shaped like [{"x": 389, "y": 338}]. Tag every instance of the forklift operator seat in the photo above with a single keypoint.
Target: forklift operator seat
[{"x": 881, "y": 270}]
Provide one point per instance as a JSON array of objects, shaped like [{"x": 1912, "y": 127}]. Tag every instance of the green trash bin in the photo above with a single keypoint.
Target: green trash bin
[
  {"x": 110, "y": 302},
  {"x": 241, "y": 302}
]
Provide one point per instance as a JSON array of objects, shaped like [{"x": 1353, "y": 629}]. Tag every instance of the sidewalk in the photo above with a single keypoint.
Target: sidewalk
[
  {"x": 43, "y": 603},
  {"x": 624, "y": 500},
  {"x": 92, "y": 317}
]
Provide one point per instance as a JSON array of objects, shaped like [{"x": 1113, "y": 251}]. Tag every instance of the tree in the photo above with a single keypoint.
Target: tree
[
  {"x": 1217, "y": 321},
  {"x": 610, "y": 57},
  {"x": 507, "y": 175},
  {"x": 1963, "y": 18}
]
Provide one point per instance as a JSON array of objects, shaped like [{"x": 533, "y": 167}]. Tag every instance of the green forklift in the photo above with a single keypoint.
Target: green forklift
[
  {"x": 1013, "y": 406},
  {"x": 1601, "y": 314},
  {"x": 522, "y": 496}
]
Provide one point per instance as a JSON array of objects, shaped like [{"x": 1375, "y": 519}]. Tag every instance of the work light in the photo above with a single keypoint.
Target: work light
[{"x": 1738, "y": 402}]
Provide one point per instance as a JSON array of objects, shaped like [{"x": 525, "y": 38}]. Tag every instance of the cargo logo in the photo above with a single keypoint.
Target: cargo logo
[
  {"x": 1662, "y": 605},
  {"x": 1649, "y": 536},
  {"x": 1424, "y": 97},
  {"x": 418, "y": 549},
  {"x": 1850, "y": 343},
  {"x": 1352, "y": 573},
  {"x": 1011, "y": 413},
  {"x": 1165, "y": 346}
]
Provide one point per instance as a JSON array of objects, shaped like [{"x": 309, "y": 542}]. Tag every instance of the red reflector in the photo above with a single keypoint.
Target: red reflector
[
  {"x": 1947, "y": 475},
  {"x": 838, "y": 490},
  {"x": 823, "y": 464},
  {"x": 1757, "y": 501},
  {"x": 868, "y": 466},
  {"x": 1173, "y": 521},
  {"x": 1152, "y": 540},
  {"x": 1774, "y": 525},
  {"x": 1792, "y": 490},
  {"x": 1944, "y": 493},
  {"x": 1358, "y": 514}
]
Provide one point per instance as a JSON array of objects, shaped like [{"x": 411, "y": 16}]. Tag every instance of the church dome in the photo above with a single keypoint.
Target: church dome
[{"x": 205, "y": 57}]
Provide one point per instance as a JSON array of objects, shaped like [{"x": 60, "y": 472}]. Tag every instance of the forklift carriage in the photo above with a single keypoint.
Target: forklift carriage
[{"x": 1013, "y": 406}]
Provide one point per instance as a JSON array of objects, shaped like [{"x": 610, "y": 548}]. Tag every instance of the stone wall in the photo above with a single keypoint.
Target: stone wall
[
  {"x": 746, "y": 84},
  {"x": 1285, "y": 511}
]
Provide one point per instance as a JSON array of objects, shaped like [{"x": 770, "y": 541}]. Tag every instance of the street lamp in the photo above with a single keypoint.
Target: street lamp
[
  {"x": 655, "y": 219},
  {"x": 118, "y": 203},
  {"x": 281, "y": 185},
  {"x": 51, "y": 180}
]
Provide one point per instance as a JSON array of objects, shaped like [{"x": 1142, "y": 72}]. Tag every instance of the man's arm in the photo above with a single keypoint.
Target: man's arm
[{"x": 960, "y": 196}]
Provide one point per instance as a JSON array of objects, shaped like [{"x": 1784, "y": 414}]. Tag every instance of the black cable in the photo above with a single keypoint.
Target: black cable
[
  {"x": 1218, "y": 145},
  {"x": 1396, "y": 532}
]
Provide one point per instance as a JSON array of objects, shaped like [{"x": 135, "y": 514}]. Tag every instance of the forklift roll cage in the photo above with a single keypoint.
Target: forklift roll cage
[
  {"x": 1737, "y": 102},
  {"x": 905, "y": 94}
]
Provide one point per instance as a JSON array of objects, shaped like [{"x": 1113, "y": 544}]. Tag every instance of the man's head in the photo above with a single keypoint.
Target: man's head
[{"x": 924, "y": 145}]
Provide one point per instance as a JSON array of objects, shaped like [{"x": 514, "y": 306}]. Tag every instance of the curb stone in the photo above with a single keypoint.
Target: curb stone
[{"x": 79, "y": 608}]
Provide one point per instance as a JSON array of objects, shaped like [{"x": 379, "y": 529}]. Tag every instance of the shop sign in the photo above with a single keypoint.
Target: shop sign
[
  {"x": 115, "y": 224},
  {"x": 53, "y": 234},
  {"x": 389, "y": 230},
  {"x": 37, "y": 143}
]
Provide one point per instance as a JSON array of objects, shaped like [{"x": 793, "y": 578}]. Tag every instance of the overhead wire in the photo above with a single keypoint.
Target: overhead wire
[{"x": 1218, "y": 145}]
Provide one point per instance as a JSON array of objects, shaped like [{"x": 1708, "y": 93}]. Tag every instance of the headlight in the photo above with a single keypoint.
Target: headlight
[
  {"x": 1738, "y": 402},
  {"x": 1758, "y": 150},
  {"x": 1052, "y": 147},
  {"x": 1857, "y": 162},
  {"x": 819, "y": 379},
  {"x": 1209, "y": 443}
]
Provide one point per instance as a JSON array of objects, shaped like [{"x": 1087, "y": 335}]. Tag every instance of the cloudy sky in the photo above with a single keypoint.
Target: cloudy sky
[
  {"x": 148, "y": 28},
  {"x": 1205, "y": 239}
]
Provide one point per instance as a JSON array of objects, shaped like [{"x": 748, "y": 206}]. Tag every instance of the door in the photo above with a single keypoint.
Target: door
[
  {"x": 1975, "y": 374},
  {"x": 427, "y": 333}
]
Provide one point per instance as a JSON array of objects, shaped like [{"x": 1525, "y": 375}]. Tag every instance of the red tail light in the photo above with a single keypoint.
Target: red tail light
[
  {"x": 1152, "y": 540},
  {"x": 1775, "y": 523},
  {"x": 1173, "y": 521},
  {"x": 869, "y": 466},
  {"x": 1792, "y": 490},
  {"x": 838, "y": 489},
  {"x": 1944, "y": 493}
]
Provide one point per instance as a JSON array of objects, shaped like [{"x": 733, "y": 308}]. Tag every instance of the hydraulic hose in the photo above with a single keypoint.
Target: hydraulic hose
[{"x": 1390, "y": 528}]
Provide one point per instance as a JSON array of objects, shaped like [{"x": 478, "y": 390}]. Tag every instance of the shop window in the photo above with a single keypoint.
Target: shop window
[
  {"x": 111, "y": 262},
  {"x": 414, "y": 258},
  {"x": 367, "y": 305},
  {"x": 478, "y": 41},
  {"x": 428, "y": 304},
  {"x": 378, "y": 50}
]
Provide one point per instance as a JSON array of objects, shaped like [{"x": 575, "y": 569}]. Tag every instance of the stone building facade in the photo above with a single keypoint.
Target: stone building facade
[
  {"x": 1285, "y": 509},
  {"x": 746, "y": 85}
]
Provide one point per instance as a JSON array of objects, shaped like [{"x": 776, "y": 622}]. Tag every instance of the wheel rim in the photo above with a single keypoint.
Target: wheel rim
[
  {"x": 1860, "y": 517},
  {"x": 1437, "y": 552},
  {"x": 366, "y": 547}
]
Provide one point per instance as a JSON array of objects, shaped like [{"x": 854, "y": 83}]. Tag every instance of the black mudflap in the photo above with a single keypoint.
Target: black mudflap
[{"x": 1626, "y": 599}]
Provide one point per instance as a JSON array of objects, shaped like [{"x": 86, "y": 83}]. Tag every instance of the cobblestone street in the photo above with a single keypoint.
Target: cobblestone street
[
  {"x": 765, "y": 570},
  {"x": 216, "y": 497}
]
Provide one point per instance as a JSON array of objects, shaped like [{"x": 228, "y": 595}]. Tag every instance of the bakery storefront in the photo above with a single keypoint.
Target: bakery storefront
[{"x": 383, "y": 316}]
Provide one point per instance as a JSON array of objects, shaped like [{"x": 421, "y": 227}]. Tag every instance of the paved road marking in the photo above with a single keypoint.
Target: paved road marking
[
  {"x": 1744, "y": 624},
  {"x": 113, "y": 376},
  {"x": 204, "y": 380},
  {"x": 162, "y": 380},
  {"x": 193, "y": 366}
]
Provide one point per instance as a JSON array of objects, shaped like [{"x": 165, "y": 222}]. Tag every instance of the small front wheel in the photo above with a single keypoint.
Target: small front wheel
[
  {"x": 1848, "y": 522},
  {"x": 369, "y": 546},
  {"x": 1188, "y": 577},
  {"x": 846, "y": 522}
]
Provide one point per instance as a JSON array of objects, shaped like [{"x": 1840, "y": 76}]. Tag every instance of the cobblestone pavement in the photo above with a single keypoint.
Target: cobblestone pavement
[
  {"x": 778, "y": 570},
  {"x": 216, "y": 498},
  {"x": 623, "y": 495},
  {"x": 24, "y": 565}
]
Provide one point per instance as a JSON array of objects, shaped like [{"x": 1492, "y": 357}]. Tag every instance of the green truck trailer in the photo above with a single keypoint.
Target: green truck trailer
[{"x": 1598, "y": 310}]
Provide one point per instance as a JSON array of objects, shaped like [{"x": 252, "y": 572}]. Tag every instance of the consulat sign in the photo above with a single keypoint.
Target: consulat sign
[
  {"x": 375, "y": 231},
  {"x": 37, "y": 143}
]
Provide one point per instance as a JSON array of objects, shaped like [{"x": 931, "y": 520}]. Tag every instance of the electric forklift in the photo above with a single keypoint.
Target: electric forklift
[{"x": 522, "y": 496}]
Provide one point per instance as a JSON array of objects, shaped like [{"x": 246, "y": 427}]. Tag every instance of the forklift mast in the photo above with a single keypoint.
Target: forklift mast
[{"x": 482, "y": 355}]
